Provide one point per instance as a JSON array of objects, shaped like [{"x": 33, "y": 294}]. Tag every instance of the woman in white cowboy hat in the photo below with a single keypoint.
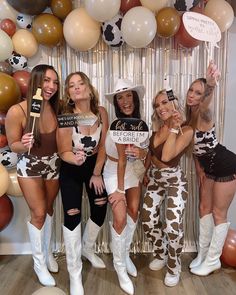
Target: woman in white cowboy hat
[{"x": 122, "y": 184}]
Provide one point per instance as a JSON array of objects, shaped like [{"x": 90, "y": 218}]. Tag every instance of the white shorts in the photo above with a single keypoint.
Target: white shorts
[{"x": 110, "y": 176}]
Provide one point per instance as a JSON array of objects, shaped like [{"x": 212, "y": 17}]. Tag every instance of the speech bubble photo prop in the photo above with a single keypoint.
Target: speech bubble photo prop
[
  {"x": 203, "y": 28},
  {"x": 74, "y": 120},
  {"x": 129, "y": 131}
]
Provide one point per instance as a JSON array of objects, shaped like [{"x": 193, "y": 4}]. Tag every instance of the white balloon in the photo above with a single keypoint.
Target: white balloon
[
  {"x": 154, "y": 5},
  {"x": 49, "y": 291},
  {"x": 102, "y": 10},
  {"x": 7, "y": 11},
  {"x": 139, "y": 27},
  {"x": 6, "y": 46}
]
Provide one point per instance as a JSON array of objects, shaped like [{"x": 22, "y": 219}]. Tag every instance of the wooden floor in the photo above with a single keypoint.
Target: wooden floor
[{"x": 17, "y": 278}]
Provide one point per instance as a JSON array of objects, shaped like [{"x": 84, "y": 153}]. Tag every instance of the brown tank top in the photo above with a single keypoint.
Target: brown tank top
[
  {"x": 157, "y": 153},
  {"x": 48, "y": 145}
]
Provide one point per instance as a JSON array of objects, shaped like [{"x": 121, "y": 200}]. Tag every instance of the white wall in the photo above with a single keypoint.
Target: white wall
[{"x": 230, "y": 114}]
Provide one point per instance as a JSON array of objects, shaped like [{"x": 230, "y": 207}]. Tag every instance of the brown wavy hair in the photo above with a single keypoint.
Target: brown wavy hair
[{"x": 68, "y": 105}]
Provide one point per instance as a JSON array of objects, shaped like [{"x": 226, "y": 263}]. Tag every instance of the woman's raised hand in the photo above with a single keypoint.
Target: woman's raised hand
[{"x": 212, "y": 74}]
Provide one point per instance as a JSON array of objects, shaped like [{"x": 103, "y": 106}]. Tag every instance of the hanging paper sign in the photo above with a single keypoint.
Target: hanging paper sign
[
  {"x": 73, "y": 120},
  {"x": 36, "y": 104},
  {"x": 129, "y": 131},
  {"x": 201, "y": 27}
]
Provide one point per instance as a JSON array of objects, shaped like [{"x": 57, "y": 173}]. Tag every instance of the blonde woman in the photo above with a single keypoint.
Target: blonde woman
[{"x": 166, "y": 184}]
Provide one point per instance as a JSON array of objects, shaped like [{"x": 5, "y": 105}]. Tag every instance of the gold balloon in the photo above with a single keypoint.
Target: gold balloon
[
  {"x": 4, "y": 183},
  {"x": 80, "y": 30},
  {"x": 9, "y": 92},
  {"x": 61, "y": 8},
  {"x": 47, "y": 29},
  {"x": 168, "y": 22},
  {"x": 25, "y": 43},
  {"x": 14, "y": 189}
]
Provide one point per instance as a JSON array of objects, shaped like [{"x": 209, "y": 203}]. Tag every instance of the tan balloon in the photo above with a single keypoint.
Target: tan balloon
[
  {"x": 81, "y": 32},
  {"x": 154, "y": 5},
  {"x": 14, "y": 189},
  {"x": 24, "y": 43},
  {"x": 5, "y": 180},
  {"x": 221, "y": 12}
]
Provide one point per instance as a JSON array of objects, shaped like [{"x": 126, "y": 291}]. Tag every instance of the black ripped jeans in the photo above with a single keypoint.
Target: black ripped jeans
[{"x": 72, "y": 179}]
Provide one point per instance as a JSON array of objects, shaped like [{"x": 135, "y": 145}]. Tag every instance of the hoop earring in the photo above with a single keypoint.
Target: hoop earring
[{"x": 70, "y": 102}]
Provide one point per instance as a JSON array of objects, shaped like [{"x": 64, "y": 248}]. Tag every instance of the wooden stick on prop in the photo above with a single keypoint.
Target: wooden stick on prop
[{"x": 35, "y": 108}]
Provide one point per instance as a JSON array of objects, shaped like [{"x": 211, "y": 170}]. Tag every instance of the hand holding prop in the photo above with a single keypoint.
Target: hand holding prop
[
  {"x": 35, "y": 108},
  {"x": 171, "y": 97}
]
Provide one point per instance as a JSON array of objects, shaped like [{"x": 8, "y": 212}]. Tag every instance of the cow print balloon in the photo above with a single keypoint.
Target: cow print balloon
[
  {"x": 111, "y": 32},
  {"x": 18, "y": 61},
  {"x": 8, "y": 158},
  {"x": 24, "y": 21},
  {"x": 185, "y": 5}
]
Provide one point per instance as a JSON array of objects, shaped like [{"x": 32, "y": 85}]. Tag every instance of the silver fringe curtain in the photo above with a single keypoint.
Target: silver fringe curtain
[{"x": 146, "y": 66}]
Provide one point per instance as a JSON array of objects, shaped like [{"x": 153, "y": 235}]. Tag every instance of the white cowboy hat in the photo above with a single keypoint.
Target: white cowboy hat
[{"x": 125, "y": 85}]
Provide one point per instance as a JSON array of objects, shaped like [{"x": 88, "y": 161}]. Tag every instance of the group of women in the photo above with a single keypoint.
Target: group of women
[{"x": 85, "y": 155}]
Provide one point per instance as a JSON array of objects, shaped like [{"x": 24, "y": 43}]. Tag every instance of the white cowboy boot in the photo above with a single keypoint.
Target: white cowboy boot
[
  {"x": 89, "y": 238},
  {"x": 131, "y": 226},
  {"x": 50, "y": 260},
  {"x": 171, "y": 280},
  {"x": 157, "y": 264},
  {"x": 212, "y": 260},
  {"x": 205, "y": 235},
  {"x": 36, "y": 239},
  {"x": 72, "y": 241},
  {"x": 118, "y": 249}
]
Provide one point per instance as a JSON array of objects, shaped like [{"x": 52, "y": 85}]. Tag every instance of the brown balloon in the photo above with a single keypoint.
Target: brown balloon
[
  {"x": 5, "y": 67},
  {"x": 128, "y": 4},
  {"x": 61, "y": 8},
  {"x": 2, "y": 119},
  {"x": 9, "y": 92},
  {"x": 22, "y": 79},
  {"x": 32, "y": 7},
  {"x": 8, "y": 26},
  {"x": 47, "y": 29},
  {"x": 3, "y": 140},
  {"x": 183, "y": 38},
  {"x": 168, "y": 22},
  {"x": 228, "y": 256},
  {"x": 6, "y": 211}
]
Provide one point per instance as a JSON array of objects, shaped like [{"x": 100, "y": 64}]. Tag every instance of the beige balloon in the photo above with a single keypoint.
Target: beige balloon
[
  {"x": 221, "y": 12},
  {"x": 5, "y": 180},
  {"x": 7, "y": 11},
  {"x": 81, "y": 32},
  {"x": 49, "y": 291},
  {"x": 6, "y": 46},
  {"x": 14, "y": 189},
  {"x": 154, "y": 5},
  {"x": 24, "y": 43}
]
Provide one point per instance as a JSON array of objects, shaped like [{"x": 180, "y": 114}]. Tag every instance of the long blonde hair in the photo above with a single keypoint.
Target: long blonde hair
[
  {"x": 157, "y": 122},
  {"x": 188, "y": 112}
]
